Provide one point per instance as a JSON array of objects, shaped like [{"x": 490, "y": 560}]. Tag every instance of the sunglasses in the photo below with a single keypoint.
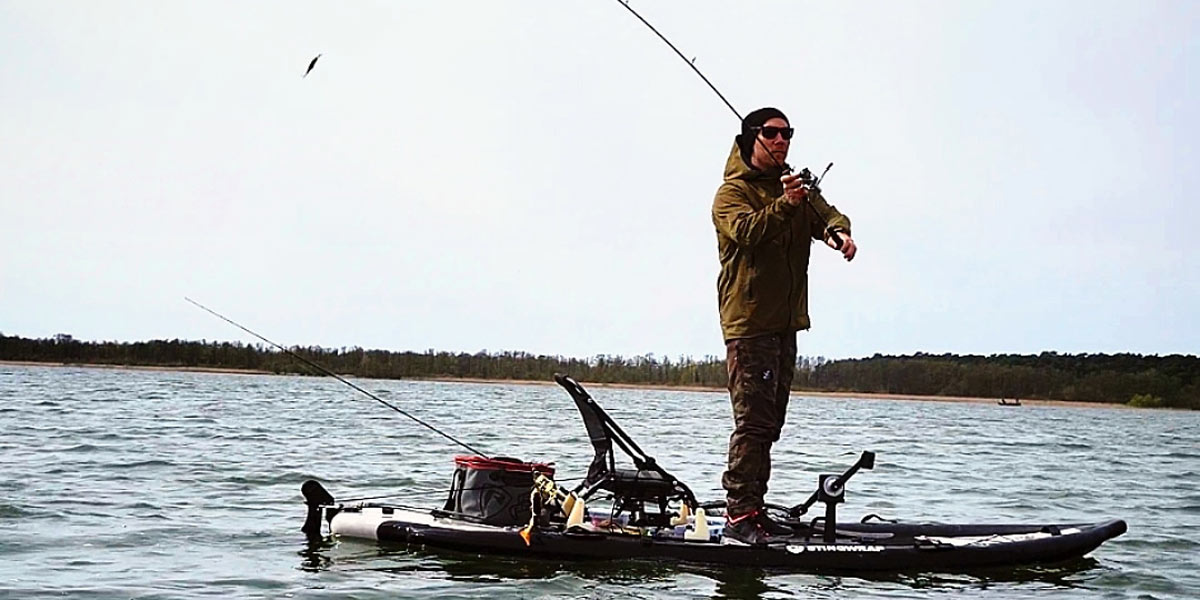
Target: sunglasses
[{"x": 769, "y": 132}]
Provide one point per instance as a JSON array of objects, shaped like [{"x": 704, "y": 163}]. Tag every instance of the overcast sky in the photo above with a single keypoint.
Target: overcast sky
[{"x": 1021, "y": 175}]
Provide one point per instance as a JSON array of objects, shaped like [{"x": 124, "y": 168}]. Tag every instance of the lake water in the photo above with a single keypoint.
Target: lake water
[{"x": 141, "y": 484}]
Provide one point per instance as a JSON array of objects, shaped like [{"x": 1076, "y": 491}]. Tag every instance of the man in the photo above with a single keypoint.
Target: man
[{"x": 766, "y": 219}]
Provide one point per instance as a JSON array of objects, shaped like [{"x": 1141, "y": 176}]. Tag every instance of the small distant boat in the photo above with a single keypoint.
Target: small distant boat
[{"x": 1007, "y": 402}]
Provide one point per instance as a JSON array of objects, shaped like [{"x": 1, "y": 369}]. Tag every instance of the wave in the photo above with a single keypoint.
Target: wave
[
  {"x": 10, "y": 511},
  {"x": 139, "y": 464}
]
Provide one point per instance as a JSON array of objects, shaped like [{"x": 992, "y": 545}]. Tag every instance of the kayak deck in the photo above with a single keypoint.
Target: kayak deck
[{"x": 880, "y": 546}]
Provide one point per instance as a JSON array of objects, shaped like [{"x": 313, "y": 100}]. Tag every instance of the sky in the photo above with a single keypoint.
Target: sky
[{"x": 537, "y": 176}]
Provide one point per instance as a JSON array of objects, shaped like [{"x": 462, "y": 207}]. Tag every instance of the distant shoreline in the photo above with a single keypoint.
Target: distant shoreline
[
  {"x": 222, "y": 370},
  {"x": 593, "y": 384}
]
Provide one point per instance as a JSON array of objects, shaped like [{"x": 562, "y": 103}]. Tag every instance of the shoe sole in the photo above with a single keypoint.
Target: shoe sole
[{"x": 728, "y": 541}]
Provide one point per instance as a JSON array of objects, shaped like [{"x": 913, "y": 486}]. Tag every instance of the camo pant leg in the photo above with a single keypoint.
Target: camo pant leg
[{"x": 760, "y": 376}]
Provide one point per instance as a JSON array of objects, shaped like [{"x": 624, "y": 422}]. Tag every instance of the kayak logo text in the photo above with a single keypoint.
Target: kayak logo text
[{"x": 800, "y": 549}]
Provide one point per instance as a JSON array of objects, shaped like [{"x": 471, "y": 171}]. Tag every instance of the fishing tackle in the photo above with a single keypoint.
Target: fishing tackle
[
  {"x": 814, "y": 183},
  {"x": 805, "y": 175}
]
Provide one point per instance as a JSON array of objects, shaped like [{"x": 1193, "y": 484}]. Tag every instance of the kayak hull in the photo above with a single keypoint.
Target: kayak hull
[{"x": 857, "y": 547}]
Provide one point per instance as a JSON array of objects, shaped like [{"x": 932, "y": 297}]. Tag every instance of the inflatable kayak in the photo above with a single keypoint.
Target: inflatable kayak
[
  {"x": 856, "y": 547},
  {"x": 506, "y": 506}
]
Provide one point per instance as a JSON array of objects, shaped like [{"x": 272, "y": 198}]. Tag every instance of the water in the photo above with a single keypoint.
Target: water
[{"x": 140, "y": 484}]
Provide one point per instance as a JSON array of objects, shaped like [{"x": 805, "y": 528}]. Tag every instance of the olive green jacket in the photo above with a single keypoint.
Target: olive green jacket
[{"x": 763, "y": 242}]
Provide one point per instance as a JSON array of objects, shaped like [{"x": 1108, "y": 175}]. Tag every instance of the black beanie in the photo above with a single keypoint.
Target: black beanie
[{"x": 745, "y": 140}]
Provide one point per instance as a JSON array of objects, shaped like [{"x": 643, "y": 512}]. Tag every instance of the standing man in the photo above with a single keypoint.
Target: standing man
[{"x": 766, "y": 221}]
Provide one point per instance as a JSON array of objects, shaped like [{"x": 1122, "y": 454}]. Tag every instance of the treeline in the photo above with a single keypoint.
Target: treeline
[
  {"x": 1169, "y": 381},
  {"x": 1150, "y": 381}
]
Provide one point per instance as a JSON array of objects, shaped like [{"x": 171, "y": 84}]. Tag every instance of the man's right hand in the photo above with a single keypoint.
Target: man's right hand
[{"x": 794, "y": 189}]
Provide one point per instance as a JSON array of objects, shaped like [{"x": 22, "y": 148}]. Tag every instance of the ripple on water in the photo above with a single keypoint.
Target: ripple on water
[
  {"x": 262, "y": 479},
  {"x": 137, "y": 464},
  {"x": 11, "y": 511},
  {"x": 76, "y": 448},
  {"x": 1187, "y": 504}
]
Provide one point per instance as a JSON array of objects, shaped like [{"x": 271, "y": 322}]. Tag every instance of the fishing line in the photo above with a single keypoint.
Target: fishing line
[
  {"x": 833, "y": 235},
  {"x": 336, "y": 376}
]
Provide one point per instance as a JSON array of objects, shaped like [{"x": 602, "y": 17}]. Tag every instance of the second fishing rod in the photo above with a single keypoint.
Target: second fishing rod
[{"x": 324, "y": 371}]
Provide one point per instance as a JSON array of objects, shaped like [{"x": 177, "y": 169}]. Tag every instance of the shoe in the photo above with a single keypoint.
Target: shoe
[
  {"x": 775, "y": 528},
  {"x": 744, "y": 530}
]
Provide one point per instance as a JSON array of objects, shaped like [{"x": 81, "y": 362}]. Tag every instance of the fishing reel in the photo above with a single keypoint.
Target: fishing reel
[{"x": 811, "y": 181}]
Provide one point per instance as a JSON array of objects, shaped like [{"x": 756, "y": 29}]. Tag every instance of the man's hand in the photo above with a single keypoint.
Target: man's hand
[
  {"x": 849, "y": 248},
  {"x": 794, "y": 189}
]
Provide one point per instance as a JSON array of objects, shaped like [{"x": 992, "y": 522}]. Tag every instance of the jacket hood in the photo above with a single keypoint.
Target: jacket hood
[{"x": 736, "y": 168}]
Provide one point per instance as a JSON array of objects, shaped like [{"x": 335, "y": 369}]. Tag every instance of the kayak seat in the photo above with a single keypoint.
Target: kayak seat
[
  {"x": 633, "y": 490},
  {"x": 640, "y": 484}
]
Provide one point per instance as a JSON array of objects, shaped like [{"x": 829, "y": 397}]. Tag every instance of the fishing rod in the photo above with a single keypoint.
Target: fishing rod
[
  {"x": 336, "y": 376},
  {"x": 804, "y": 175}
]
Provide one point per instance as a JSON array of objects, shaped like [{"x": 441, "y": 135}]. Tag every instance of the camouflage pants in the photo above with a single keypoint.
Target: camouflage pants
[{"x": 760, "y": 377}]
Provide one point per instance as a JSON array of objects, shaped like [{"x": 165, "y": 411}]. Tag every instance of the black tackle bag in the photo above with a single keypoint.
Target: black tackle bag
[{"x": 494, "y": 491}]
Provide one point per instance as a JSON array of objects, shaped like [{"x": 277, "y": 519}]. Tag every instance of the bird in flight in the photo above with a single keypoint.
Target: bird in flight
[{"x": 310, "y": 66}]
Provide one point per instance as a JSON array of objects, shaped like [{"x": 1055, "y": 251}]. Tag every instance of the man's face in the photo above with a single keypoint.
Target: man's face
[{"x": 771, "y": 151}]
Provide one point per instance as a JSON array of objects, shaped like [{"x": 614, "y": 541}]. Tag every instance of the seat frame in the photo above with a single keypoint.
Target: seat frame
[{"x": 633, "y": 490}]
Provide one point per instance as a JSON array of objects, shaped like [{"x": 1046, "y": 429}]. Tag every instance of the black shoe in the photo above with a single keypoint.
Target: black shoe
[
  {"x": 745, "y": 530},
  {"x": 774, "y": 528}
]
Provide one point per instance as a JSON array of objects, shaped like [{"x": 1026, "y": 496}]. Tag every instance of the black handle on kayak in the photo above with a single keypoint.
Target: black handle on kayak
[
  {"x": 838, "y": 485},
  {"x": 833, "y": 486}
]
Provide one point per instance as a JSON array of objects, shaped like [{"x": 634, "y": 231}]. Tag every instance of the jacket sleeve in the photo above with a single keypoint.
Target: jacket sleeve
[
  {"x": 737, "y": 219},
  {"x": 828, "y": 211}
]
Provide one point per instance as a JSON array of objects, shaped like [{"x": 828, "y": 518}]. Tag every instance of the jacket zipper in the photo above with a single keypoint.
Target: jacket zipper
[
  {"x": 787, "y": 251},
  {"x": 753, "y": 274}
]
